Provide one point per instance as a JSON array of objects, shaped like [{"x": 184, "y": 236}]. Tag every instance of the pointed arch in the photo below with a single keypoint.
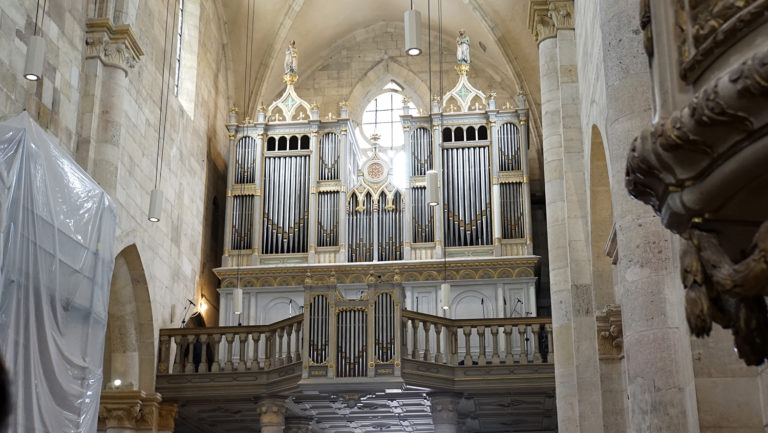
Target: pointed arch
[
  {"x": 374, "y": 81},
  {"x": 129, "y": 349}
]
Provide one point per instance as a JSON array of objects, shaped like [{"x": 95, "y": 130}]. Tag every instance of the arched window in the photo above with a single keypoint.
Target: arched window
[{"x": 382, "y": 117}]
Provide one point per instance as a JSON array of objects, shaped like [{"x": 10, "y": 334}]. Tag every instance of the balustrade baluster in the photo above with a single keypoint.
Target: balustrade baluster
[
  {"x": 415, "y": 353},
  {"x": 427, "y": 353},
  {"x": 297, "y": 333},
  {"x": 177, "y": 365},
  {"x": 467, "y": 346},
  {"x": 404, "y": 337},
  {"x": 256, "y": 338},
  {"x": 203, "y": 368},
  {"x": 165, "y": 353},
  {"x": 230, "y": 337},
  {"x": 453, "y": 345},
  {"x": 536, "y": 350},
  {"x": 269, "y": 349},
  {"x": 288, "y": 335},
  {"x": 243, "y": 337},
  {"x": 481, "y": 356},
  {"x": 438, "y": 337},
  {"x": 550, "y": 346},
  {"x": 189, "y": 365},
  {"x": 509, "y": 358},
  {"x": 280, "y": 359},
  {"x": 495, "y": 359},
  {"x": 215, "y": 365},
  {"x": 523, "y": 349}
]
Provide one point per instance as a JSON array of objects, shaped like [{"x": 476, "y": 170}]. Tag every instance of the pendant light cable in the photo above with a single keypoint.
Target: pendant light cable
[
  {"x": 245, "y": 68},
  {"x": 162, "y": 89},
  {"x": 167, "y": 94},
  {"x": 429, "y": 48}
]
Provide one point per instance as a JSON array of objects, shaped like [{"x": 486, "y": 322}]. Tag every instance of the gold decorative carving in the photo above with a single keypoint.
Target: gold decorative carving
[
  {"x": 114, "y": 46},
  {"x": 706, "y": 28},
  {"x": 610, "y": 336}
]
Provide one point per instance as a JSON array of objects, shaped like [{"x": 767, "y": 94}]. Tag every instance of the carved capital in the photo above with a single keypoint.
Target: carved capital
[
  {"x": 120, "y": 409},
  {"x": 546, "y": 17},
  {"x": 271, "y": 411},
  {"x": 114, "y": 46},
  {"x": 444, "y": 407},
  {"x": 610, "y": 335},
  {"x": 166, "y": 416}
]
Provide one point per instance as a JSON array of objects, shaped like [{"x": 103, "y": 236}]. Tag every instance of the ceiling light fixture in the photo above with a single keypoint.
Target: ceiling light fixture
[
  {"x": 412, "y": 20},
  {"x": 432, "y": 193},
  {"x": 33, "y": 66}
]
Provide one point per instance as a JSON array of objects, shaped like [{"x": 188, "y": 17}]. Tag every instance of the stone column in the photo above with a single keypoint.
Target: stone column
[
  {"x": 110, "y": 52},
  {"x": 577, "y": 374},
  {"x": 298, "y": 425},
  {"x": 445, "y": 416},
  {"x": 272, "y": 414}
]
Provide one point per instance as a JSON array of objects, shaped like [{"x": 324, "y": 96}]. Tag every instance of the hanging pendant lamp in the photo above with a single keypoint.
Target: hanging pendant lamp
[
  {"x": 33, "y": 66},
  {"x": 432, "y": 194},
  {"x": 412, "y": 19}
]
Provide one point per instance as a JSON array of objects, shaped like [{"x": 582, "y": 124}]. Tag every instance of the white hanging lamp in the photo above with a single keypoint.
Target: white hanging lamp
[
  {"x": 237, "y": 300},
  {"x": 33, "y": 66},
  {"x": 412, "y": 19},
  {"x": 432, "y": 194},
  {"x": 155, "y": 205}
]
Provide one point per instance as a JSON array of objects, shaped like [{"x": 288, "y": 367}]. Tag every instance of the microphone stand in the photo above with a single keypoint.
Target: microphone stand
[{"x": 186, "y": 310}]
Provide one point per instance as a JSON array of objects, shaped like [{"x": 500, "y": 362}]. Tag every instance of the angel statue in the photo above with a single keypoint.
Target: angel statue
[
  {"x": 291, "y": 61},
  {"x": 462, "y": 48}
]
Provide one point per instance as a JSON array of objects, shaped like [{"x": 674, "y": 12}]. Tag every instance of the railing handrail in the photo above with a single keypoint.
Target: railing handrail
[
  {"x": 232, "y": 329},
  {"x": 513, "y": 321}
]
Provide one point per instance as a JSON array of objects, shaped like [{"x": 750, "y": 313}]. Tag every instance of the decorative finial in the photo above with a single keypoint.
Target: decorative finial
[
  {"x": 261, "y": 108},
  {"x": 234, "y": 109},
  {"x": 330, "y": 116}
]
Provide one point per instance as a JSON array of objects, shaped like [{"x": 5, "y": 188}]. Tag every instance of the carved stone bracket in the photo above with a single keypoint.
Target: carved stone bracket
[
  {"x": 610, "y": 335},
  {"x": 703, "y": 171},
  {"x": 546, "y": 17},
  {"x": 271, "y": 411},
  {"x": 115, "y": 46}
]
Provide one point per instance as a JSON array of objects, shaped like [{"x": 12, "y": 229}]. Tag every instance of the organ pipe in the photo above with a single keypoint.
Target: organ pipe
[
  {"x": 329, "y": 157},
  {"x": 509, "y": 148},
  {"x": 421, "y": 152},
  {"x": 328, "y": 219},
  {"x": 242, "y": 222},
  {"x": 512, "y": 210},
  {"x": 286, "y": 205},
  {"x": 467, "y": 196},
  {"x": 245, "y": 161}
]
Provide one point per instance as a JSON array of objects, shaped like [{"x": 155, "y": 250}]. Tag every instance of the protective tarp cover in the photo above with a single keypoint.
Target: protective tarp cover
[{"x": 57, "y": 229}]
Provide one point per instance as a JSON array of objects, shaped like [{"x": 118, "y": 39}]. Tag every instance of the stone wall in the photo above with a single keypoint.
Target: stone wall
[{"x": 178, "y": 252}]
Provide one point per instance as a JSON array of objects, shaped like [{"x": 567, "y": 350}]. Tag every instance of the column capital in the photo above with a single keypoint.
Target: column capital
[
  {"x": 546, "y": 17},
  {"x": 271, "y": 411},
  {"x": 113, "y": 45},
  {"x": 120, "y": 409}
]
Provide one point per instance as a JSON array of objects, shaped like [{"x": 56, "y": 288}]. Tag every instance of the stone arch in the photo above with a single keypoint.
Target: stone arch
[
  {"x": 468, "y": 305},
  {"x": 129, "y": 347},
  {"x": 600, "y": 221}
]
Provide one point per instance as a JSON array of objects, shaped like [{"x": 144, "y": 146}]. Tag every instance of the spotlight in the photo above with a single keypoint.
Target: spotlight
[
  {"x": 33, "y": 67},
  {"x": 155, "y": 205},
  {"x": 412, "y": 20}
]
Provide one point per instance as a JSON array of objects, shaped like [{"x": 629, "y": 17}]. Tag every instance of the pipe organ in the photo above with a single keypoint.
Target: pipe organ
[{"x": 301, "y": 189}]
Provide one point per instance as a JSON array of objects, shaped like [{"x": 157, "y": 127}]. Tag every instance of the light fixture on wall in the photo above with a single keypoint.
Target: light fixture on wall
[
  {"x": 156, "y": 197},
  {"x": 412, "y": 19},
  {"x": 33, "y": 67},
  {"x": 432, "y": 193}
]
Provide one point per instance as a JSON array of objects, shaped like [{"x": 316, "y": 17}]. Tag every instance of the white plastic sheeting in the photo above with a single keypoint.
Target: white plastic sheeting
[{"x": 57, "y": 229}]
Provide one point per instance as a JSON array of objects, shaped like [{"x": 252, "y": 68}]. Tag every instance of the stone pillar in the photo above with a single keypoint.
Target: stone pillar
[
  {"x": 272, "y": 414},
  {"x": 445, "y": 416},
  {"x": 577, "y": 374},
  {"x": 298, "y": 425},
  {"x": 111, "y": 51}
]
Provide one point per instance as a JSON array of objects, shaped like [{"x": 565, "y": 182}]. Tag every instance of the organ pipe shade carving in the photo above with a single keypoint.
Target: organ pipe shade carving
[
  {"x": 422, "y": 216},
  {"x": 352, "y": 339},
  {"x": 421, "y": 151},
  {"x": 242, "y": 222},
  {"x": 384, "y": 327},
  {"x": 390, "y": 239},
  {"x": 360, "y": 227},
  {"x": 328, "y": 157},
  {"x": 286, "y": 204},
  {"x": 327, "y": 219},
  {"x": 245, "y": 161},
  {"x": 509, "y": 148},
  {"x": 319, "y": 329},
  {"x": 512, "y": 210},
  {"x": 467, "y": 197}
]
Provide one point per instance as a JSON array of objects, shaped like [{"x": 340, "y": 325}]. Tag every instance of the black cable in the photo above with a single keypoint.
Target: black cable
[
  {"x": 429, "y": 48},
  {"x": 160, "y": 108},
  {"x": 37, "y": 13},
  {"x": 165, "y": 122}
]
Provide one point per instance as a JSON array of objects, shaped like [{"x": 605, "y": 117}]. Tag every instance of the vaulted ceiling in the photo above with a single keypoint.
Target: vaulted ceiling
[{"x": 498, "y": 25}]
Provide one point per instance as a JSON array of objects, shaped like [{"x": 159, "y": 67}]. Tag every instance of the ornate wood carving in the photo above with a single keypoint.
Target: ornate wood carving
[
  {"x": 703, "y": 171},
  {"x": 709, "y": 27}
]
